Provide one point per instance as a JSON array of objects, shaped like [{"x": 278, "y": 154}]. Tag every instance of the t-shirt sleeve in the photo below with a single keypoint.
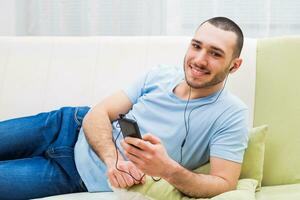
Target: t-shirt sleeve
[
  {"x": 135, "y": 89},
  {"x": 231, "y": 138}
]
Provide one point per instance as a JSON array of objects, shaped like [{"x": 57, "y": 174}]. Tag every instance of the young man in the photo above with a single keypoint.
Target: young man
[{"x": 186, "y": 118}]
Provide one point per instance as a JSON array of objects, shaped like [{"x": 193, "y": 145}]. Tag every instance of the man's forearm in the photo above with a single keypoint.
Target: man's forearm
[
  {"x": 98, "y": 130},
  {"x": 195, "y": 185}
]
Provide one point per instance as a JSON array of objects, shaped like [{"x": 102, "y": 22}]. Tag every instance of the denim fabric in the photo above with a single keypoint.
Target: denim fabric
[{"x": 37, "y": 154}]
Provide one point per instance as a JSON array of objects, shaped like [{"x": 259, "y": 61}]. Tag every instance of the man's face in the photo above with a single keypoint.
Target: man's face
[{"x": 209, "y": 57}]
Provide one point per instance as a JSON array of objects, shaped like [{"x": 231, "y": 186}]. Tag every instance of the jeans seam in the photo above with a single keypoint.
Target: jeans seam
[
  {"x": 75, "y": 117},
  {"x": 51, "y": 153}
]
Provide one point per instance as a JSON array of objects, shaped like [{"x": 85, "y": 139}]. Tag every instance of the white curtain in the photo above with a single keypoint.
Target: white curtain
[{"x": 258, "y": 18}]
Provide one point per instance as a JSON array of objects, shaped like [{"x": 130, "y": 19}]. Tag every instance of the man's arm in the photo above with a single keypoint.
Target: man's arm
[
  {"x": 223, "y": 177},
  {"x": 98, "y": 131},
  {"x": 153, "y": 160}
]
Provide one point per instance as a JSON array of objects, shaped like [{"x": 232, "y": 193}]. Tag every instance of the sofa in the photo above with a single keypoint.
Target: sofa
[{"x": 43, "y": 73}]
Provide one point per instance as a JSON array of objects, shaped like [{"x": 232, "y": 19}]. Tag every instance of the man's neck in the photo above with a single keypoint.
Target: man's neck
[{"x": 182, "y": 91}]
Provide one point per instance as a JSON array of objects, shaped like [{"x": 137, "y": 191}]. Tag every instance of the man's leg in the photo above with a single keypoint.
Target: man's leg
[
  {"x": 51, "y": 137},
  {"x": 33, "y": 178},
  {"x": 32, "y": 136},
  {"x": 28, "y": 136}
]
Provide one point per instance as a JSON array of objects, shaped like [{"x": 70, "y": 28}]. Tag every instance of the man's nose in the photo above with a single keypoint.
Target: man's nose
[{"x": 201, "y": 58}]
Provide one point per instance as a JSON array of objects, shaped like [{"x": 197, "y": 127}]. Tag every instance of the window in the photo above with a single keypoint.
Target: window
[{"x": 257, "y": 18}]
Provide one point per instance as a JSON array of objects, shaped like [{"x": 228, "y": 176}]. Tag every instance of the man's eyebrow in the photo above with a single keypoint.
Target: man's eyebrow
[
  {"x": 212, "y": 47},
  {"x": 218, "y": 49},
  {"x": 197, "y": 41}
]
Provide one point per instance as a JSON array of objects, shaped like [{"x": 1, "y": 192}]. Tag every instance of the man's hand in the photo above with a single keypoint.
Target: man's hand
[
  {"x": 152, "y": 158},
  {"x": 121, "y": 179}
]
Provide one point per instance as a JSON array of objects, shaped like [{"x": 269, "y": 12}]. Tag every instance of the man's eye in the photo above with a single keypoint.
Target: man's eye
[
  {"x": 215, "y": 54},
  {"x": 196, "y": 46}
]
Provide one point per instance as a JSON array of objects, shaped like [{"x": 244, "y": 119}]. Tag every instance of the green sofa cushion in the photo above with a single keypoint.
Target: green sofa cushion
[
  {"x": 245, "y": 191},
  {"x": 277, "y": 103},
  {"x": 281, "y": 192},
  {"x": 253, "y": 158},
  {"x": 254, "y": 155}
]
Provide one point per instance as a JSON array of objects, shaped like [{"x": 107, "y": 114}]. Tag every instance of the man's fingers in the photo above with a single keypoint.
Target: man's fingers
[
  {"x": 132, "y": 144},
  {"x": 136, "y": 174},
  {"x": 120, "y": 179},
  {"x": 134, "y": 159},
  {"x": 146, "y": 144},
  {"x": 128, "y": 179},
  {"x": 124, "y": 173},
  {"x": 151, "y": 138},
  {"x": 112, "y": 179},
  {"x": 129, "y": 148}
]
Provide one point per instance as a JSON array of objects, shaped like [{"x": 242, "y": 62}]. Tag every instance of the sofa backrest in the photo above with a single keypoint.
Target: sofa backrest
[
  {"x": 277, "y": 103},
  {"x": 43, "y": 73}
]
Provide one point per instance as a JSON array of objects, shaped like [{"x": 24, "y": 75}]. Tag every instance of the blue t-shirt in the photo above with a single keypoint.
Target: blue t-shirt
[{"x": 217, "y": 127}]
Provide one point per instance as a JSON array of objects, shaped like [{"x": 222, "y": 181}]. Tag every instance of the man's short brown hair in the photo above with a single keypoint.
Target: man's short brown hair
[{"x": 228, "y": 25}]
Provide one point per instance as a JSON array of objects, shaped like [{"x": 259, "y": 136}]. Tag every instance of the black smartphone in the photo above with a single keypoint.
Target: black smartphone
[{"x": 129, "y": 128}]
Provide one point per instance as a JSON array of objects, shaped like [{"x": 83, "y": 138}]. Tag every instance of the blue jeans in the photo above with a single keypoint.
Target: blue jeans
[{"x": 37, "y": 154}]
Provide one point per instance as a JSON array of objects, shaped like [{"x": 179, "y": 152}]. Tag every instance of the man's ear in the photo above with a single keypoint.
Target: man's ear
[{"x": 236, "y": 63}]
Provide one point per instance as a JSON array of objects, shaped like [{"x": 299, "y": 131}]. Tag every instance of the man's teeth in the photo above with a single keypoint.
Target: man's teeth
[{"x": 199, "y": 70}]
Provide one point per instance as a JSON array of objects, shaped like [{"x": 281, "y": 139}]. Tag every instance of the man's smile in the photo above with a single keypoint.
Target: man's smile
[{"x": 198, "y": 72}]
